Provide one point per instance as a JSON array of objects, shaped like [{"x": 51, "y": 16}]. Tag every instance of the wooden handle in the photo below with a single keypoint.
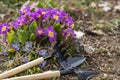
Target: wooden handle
[
  {"x": 45, "y": 75},
  {"x": 21, "y": 68}
]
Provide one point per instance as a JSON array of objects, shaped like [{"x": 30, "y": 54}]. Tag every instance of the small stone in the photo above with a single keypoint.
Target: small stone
[
  {"x": 2, "y": 16},
  {"x": 110, "y": 60},
  {"x": 93, "y": 4},
  {"x": 117, "y": 8},
  {"x": 106, "y": 9},
  {"x": 108, "y": 53},
  {"x": 89, "y": 49},
  {"x": 105, "y": 75},
  {"x": 98, "y": 32},
  {"x": 105, "y": 6},
  {"x": 79, "y": 34}
]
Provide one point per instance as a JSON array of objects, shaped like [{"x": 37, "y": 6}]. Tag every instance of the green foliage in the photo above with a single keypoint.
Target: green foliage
[
  {"x": 22, "y": 36},
  {"x": 32, "y": 37},
  {"x": 52, "y": 3},
  {"x": 47, "y": 3},
  {"x": 33, "y": 27},
  {"x": 13, "y": 3},
  {"x": 11, "y": 36},
  {"x": 58, "y": 29}
]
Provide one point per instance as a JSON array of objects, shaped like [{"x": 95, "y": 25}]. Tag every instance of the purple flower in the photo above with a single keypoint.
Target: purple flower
[
  {"x": 69, "y": 22},
  {"x": 43, "y": 64},
  {"x": 43, "y": 13},
  {"x": 20, "y": 21},
  {"x": 25, "y": 5},
  {"x": 68, "y": 32},
  {"x": 4, "y": 51},
  {"x": 4, "y": 28},
  {"x": 34, "y": 5},
  {"x": 24, "y": 10},
  {"x": 25, "y": 59},
  {"x": 40, "y": 32},
  {"x": 37, "y": 15},
  {"x": 28, "y": 46},
  {"x": 51, "y": 34},
  {"x": 43, "y": 52},
  {"x": 16, "y": 46},
  {"x": 56, "y": 15}
]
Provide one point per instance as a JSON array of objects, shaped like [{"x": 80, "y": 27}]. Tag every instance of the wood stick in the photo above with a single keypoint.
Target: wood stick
[
  {"x": 45, "y": 75},
  {"x": 21, "y": 68}
]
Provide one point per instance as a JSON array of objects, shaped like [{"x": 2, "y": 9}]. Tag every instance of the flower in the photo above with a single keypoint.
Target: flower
[
  {"x": 51, "y": 34},
  {"x": 56, "y": 15},
  {"x": 24, "y": 10},
  {"x": 24, "y": 6},
  {"x": 25, "y": 59},
  {"x": 4, "y": 28},
  {"x": 4, "y": 51},
  {"x": 31, "y": 16},
  {"x": 69, "y": 22},
  {"x": 43, "y": 52},
  {"x": 68, "y": 32},
  {"x": 43, "y": 64},
  {"x": 20, "y": 21},
  {"x": 16, "y": 46},
  {"x": 39, "y": 32},
  {"x": 28, "y": 46}
]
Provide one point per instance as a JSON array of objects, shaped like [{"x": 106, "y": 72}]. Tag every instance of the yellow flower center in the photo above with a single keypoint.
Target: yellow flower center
[
  {"x": 11, "y": 27},
  {"x": 72, "y": 26},
  {"x": 40, "y": 32},
  {"x": 55, "y": 17},
  {"x": 67, "y": 24},
  {"x": 43, "y": 13},
  {"x": 3, "y": 28},
  {"x": 24, "y": 11},
  {"x": 20, "y": 24},
  {"x": 51, "y": 34}
]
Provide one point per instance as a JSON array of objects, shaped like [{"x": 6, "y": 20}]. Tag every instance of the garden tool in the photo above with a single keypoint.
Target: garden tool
[
  {"x": 82, "y": 74},
  {"x": 66, "y": 64}
]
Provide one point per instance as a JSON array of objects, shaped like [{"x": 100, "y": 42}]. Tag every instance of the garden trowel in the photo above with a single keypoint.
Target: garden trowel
[
  {"x": 81, "y": 73},
  {"x": 65, "y": 64}
]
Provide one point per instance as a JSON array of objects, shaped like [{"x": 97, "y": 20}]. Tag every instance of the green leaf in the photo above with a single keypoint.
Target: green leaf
[
  {"x": 32, "y": 37},
  {"x": 53, "y": 4},
  {"x": 41, "y": 5},
  {"x": 25, "y": 28},
  {"x": 38, "y": 69},
  {"x": 10, "y": 36},
  {"x": 33, "y": 27},
  {"x": 30, "y": 71},
  {"x": 57, "y": 27},
  {"x": 22, "y": 36},
  {"x": 34, "y": 23}
]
